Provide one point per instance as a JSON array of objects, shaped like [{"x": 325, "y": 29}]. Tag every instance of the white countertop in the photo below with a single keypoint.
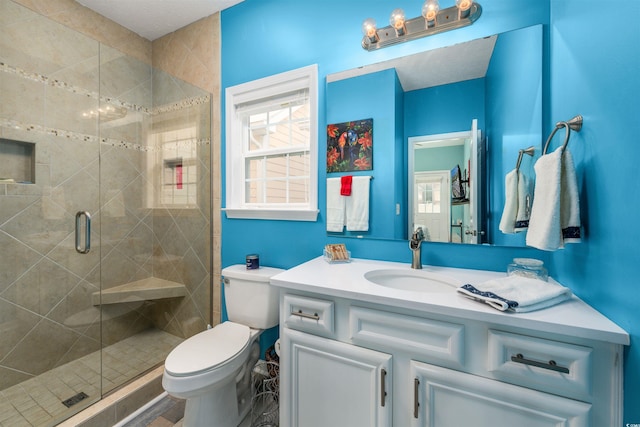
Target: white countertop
[{"x": 346, "y": 280}]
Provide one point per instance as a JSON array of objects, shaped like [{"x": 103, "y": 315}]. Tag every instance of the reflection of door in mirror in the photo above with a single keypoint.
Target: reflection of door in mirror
[
  {"x": 432, "y": 204},
  {"x": 432, "y": 209}
]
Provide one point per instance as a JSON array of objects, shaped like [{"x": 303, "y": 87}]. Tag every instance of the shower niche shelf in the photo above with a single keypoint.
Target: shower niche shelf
[
  {"x": 151, "y": 288},
  {"x": 17, "y": 162}
]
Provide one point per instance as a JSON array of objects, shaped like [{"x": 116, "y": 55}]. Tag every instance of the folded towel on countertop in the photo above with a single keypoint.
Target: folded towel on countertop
[{"x": 517, "y": 293}]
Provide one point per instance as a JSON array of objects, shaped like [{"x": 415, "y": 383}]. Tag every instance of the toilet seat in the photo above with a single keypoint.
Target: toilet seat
[{"x": 207, "y": 350}]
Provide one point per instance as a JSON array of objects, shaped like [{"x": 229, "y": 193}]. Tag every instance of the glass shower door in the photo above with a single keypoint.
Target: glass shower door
[
  {"x": 49, "y": 164},
  {"x": 87, "y": 131}
]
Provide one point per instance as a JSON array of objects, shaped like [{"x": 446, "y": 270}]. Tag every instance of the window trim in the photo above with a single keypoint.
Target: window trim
[{"x": 305, "y": 77}]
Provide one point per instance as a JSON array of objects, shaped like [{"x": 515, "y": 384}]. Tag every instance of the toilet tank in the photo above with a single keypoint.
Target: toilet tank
[{"x": 249, "y": 298}]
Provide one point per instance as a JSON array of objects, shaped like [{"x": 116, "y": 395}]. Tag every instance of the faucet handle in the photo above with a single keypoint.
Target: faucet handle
[
  {"x": 416, "y": 239},
  {"x": 418, "y": 234}
]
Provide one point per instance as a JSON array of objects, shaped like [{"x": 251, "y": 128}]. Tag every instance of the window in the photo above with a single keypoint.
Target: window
[
  {"x": 271, "y": 147},
  {"x": 428, "y": 197},
  {"x": 173, "y": 162},
  {"x": 179, "y": 168}
]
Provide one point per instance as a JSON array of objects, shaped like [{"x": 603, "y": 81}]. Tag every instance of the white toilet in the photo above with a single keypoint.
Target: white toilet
[{"x": 212, "y": 369}]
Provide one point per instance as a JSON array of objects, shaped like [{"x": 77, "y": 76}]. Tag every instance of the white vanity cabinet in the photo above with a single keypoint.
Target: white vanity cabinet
[
  {"x": 330, "y": 383},
  {"x": 353, "y": 356},
  {"x": 448, "y": 398}
]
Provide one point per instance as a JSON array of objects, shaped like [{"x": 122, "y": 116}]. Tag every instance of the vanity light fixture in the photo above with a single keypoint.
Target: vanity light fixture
[{"x": 433, "y": 20}]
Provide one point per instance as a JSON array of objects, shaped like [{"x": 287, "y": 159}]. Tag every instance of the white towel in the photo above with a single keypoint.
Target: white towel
[
  {"x": 555, "y": 214},
  {"x": 517, "y": 203},
  {"x": 335, "y": 206},
  {"x": 357, "y": 204},
  {"x": 544, "y": 225},
  {"x": 569, "y": 201},
  {"x": 525, "y": 198},
  {"x": 517, "y": 293},
  {"x": 508, "y": 220}
]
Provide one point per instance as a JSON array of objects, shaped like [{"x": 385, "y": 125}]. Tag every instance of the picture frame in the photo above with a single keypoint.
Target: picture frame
[{"x": 350, "y": 146}]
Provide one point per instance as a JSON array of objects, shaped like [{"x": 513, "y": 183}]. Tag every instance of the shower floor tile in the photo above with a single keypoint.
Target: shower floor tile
[{"x": 37, "y": 402}]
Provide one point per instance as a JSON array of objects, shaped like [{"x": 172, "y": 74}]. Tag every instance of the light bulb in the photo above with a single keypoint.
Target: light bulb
[
  {"x": 430, "y": 10},
  {"x": 463, "y": 7},
  {"x": 396, "y": 20},
  {"x": 369, "y": 29}
]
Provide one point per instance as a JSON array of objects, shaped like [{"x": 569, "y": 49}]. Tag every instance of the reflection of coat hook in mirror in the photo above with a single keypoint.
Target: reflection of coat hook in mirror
[{"x": 528, "y": 151}]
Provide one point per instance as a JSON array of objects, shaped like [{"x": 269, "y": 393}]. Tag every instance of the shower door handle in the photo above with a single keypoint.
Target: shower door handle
[{"x": 87, "y": 231}]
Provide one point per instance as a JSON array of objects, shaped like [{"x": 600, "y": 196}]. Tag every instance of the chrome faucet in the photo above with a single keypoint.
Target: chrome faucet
[{"x": 415, "y": 244}]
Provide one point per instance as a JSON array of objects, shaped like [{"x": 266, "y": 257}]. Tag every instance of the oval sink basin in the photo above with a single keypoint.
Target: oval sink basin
[{"x": 411, "y": 280}]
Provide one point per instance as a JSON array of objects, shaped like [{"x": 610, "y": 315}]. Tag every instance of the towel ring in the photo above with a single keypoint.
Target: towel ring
[
  {"x": 573, "y": 124},
  {"x": 529, "y": 151}
]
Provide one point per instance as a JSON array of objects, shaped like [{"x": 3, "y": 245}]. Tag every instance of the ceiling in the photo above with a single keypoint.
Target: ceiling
[{"x": 152, "y": 19}]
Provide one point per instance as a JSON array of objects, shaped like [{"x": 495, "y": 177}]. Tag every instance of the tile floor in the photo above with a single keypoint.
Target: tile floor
[{"x": 38, "y": 402}]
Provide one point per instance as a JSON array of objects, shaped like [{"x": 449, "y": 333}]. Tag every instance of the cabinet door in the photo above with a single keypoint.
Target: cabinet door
[
  {"x": 329, "y": 383},
  {"x": 448, "y": 398}
]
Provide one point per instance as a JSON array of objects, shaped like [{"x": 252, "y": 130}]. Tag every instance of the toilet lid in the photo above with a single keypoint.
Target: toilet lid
[{"x": 207, "y": 349}]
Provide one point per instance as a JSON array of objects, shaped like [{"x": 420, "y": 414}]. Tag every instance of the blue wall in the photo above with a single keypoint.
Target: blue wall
[
  {"x": 514, "y": 115},
  {"x": 593, "y": 65},
  {"x": 372, "y": 96},
  {"x": 599, "y": 79},
  {"x": 444, "y": 109}
]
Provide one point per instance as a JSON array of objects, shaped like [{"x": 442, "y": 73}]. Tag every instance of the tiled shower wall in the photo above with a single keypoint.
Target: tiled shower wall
[
  {"x": 191, "y": 53},
  {"x": 51, "y": 79}
]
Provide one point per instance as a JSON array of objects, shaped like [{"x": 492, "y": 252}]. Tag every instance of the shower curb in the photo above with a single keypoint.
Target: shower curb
[{"x": 120, "y": 404}]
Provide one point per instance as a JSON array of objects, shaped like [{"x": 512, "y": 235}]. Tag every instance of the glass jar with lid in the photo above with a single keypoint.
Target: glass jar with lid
[{"x": 528, "y": 267}]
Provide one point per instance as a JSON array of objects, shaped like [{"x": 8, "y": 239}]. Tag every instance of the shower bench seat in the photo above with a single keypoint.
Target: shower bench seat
[{"x": 151, "y": 288}]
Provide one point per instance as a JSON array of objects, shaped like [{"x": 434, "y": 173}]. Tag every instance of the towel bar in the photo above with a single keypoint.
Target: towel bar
[{"x": 573, "y": 124}]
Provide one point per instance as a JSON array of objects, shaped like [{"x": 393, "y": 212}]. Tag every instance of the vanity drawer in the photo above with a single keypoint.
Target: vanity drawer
[
  {"x": 431, "y": 339},
  {"x": 311, "y": 315},
  {"x": 553, "y": 366}
]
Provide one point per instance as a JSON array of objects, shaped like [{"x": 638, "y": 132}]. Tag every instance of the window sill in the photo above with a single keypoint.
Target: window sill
[{"x": 274, "y": 214}]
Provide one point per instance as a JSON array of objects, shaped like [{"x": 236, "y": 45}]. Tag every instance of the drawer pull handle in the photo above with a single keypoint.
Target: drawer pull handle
[
  {"x": 551, "y": 365},
  {"x": 300, "y": 313},
  {"x": 416, "y": 405},
  {"x": 383, "y": 386}
]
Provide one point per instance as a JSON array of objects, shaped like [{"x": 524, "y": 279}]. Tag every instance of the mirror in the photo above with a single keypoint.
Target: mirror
[
  {"x": 495, "y": 80},
  {"x": 445, "y": 204}
]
